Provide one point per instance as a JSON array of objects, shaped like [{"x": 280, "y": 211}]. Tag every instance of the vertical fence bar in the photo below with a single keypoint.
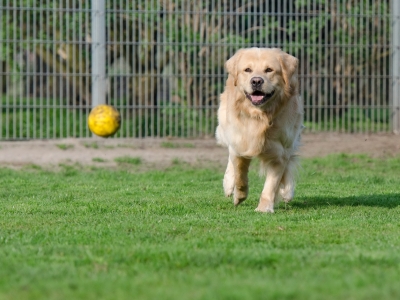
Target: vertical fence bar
[
  {"x": 4, "y": 74},
  {"x": 99, "y": 83},
  {"x": 386, "y": 80},
  {"x": 396, "y": 65}
]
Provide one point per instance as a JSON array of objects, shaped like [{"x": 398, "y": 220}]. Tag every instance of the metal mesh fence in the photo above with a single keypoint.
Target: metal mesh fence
[{"x": 164, "y": 62}]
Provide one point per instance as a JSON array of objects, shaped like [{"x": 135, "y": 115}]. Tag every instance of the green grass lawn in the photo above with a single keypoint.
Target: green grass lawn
[{"x": 83, "y": 233}]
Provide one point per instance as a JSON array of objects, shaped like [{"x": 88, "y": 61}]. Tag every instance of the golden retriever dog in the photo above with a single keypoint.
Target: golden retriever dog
[{"x": 261, "y": 115}]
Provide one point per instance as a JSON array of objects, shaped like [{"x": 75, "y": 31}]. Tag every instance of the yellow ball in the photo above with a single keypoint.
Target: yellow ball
[{"x": 104, "y": 120}]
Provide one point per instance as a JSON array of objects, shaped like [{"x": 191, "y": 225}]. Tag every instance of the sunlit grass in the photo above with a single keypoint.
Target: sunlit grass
[{"x": 171, "y": 234}]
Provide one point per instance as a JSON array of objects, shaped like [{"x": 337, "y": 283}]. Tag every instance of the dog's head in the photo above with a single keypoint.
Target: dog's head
[{"x": 263, "y": 74}]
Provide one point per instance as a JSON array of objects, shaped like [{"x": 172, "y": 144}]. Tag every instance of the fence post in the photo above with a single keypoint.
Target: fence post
[
  {"x": 396, "y": 65},
  {"x": 99, "y": 83}
]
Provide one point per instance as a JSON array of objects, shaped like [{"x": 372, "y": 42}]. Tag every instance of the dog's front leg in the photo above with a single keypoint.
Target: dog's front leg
[
  {"x": 229, "y": 179},
  {"x": 274, "y": 176},
  {"x": 241, "y": 168}
]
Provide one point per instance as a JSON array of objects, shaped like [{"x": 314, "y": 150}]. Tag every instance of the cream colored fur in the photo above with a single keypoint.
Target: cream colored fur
[{"x": 269, "y": 131}]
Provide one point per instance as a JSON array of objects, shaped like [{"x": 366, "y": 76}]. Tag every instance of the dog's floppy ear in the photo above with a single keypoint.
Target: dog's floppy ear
[
  {"x": 289, "y": 65},
  {"x": 231, "y": 65}
]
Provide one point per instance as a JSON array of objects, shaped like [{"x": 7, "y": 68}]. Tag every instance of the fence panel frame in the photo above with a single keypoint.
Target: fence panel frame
[{"x": 350, "y": 31}]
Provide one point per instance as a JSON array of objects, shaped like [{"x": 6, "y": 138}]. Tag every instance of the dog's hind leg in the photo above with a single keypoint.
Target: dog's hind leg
[
  {"x": 274, "y": 171},
  {"x": 287, "y": 186}
]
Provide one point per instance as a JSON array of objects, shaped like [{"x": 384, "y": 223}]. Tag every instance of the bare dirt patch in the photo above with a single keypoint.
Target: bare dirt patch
[{"x": 161, "y": 153}]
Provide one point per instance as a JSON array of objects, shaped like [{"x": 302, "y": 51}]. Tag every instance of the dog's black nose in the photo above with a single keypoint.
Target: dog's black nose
[{"x": 256, "y": 82}]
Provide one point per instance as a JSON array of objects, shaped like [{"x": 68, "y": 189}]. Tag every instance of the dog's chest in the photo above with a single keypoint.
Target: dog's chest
[{"x": 249, "y": 137}]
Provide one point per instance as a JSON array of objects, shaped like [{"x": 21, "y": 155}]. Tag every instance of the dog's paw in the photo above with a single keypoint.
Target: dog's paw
[
  {"x": 287, "y": 192},
  {"x": 228, "y": 192},
  {"x": 237, "y": 201},
  {"x": 229, "y": 186},
  {"x": 287, "y": 200},
  {"x": 264, "y": 209},
  {"x": 240, "y": 194}
]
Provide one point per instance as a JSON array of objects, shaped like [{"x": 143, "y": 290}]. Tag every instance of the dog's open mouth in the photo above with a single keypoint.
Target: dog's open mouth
[{"x": 258, "y": 98}]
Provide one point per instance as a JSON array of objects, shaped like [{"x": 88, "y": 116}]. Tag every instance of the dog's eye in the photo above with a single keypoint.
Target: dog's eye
[
  {"x": 248, "y": 70},
  {"x": 268, "y": 70}
]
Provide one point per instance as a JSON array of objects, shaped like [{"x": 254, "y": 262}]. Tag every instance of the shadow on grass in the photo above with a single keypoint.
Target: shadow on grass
[{"x": 388, "y": 201}]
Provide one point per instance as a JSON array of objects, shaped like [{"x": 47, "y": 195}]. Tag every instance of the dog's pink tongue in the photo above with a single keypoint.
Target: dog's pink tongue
[{"x": 256, "y": 98}]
